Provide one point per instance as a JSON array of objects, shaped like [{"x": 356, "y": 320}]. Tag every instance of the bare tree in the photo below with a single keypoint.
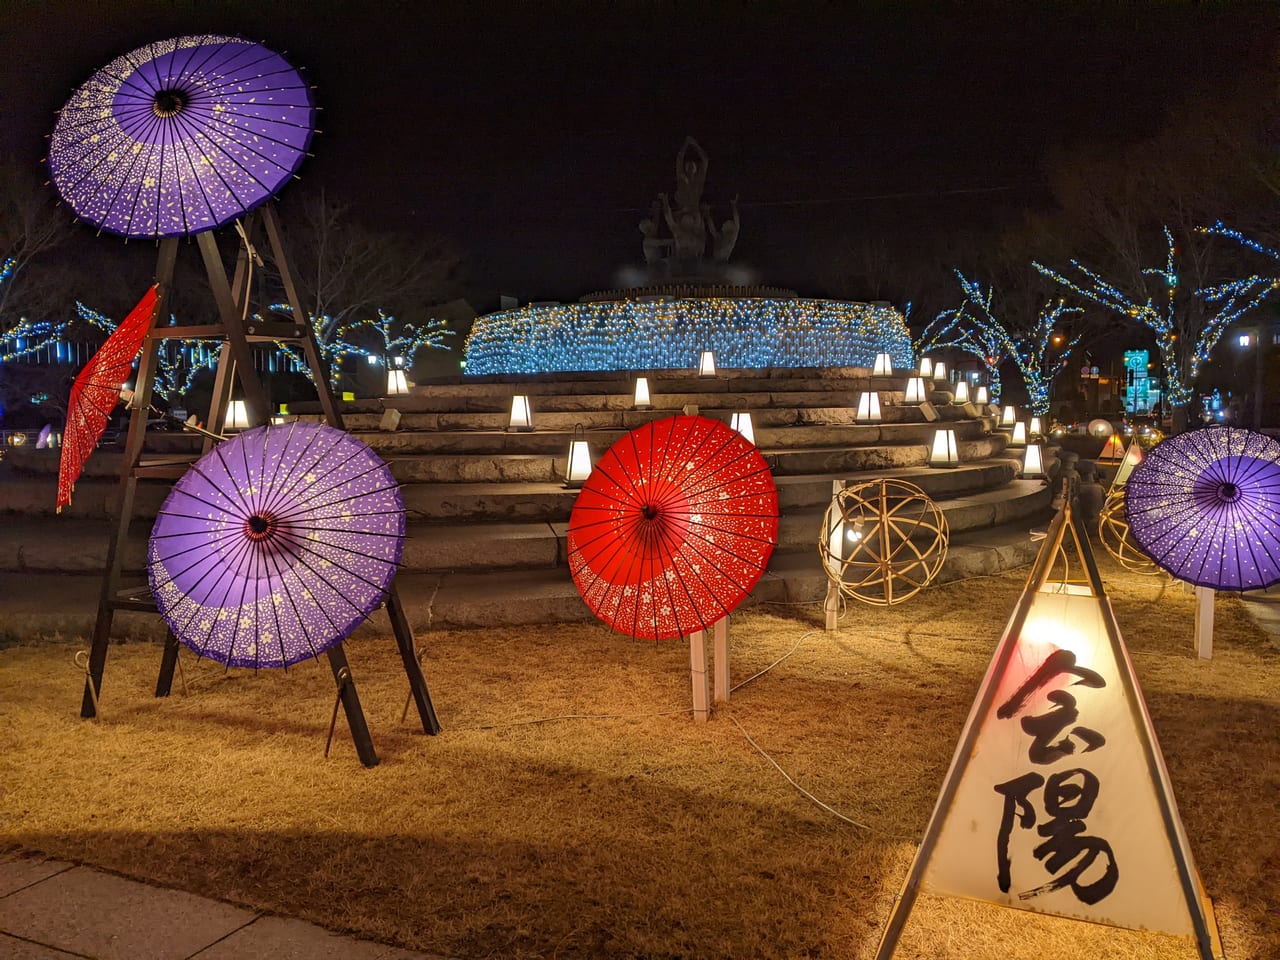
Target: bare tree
[{"x": 30, "y": 226}]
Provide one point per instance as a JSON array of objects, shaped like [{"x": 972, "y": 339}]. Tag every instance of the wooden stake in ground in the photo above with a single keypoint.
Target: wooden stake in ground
[{"x": 1057, "y": 799}]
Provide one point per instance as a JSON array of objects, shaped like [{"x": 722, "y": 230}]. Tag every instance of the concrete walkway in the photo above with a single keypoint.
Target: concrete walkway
[{"x": 51, "y": 910}]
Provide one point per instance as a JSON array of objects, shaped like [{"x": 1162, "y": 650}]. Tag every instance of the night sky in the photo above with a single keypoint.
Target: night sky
[{"x": 534, "y": 136}]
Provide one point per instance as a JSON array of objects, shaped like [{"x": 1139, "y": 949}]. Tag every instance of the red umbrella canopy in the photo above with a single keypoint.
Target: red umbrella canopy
[
  {"x": 97, "y": 391},
  {"x": 673, "y": 528}
]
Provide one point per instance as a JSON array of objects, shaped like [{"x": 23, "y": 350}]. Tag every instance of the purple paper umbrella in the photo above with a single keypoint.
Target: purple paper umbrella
[
  {"x": 181, "y": 136},
  {"x": 1205, "y": 505},
  {"x": 276, "y": 544}
]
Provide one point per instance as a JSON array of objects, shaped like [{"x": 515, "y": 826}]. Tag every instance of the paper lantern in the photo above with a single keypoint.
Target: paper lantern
[
  {"x": 707, "y": 364},
  {"x": 883, "y": 366},
  {"x": 1101, "y": 428},
  {"x": 1033, "y": 462},
  {"x": 641, "y": 399},
  {"x": 981, "y": 398},
  {"x": 926, "y": 367},
  {"x": 1114, "y": 449},
  {"x": 1009, "y": 417},
  {"x": 1132, "y": 457},
  {"x": 579, "y": 465},
  {"x": 397, "y": 383},
  {"x": 742, "y": 423},
  {"x": 915, "y": 390},
  {"x": 940, "y": 372},
  {"x": 868, "y": 408},
  {"x": 1035, "y": 428},
  {"x": 944, "y": 452},
  {"x": 962, "y": 391},
  {"x": 1019, "y": 436},
  {"x": 521, "y": 416},
  {"x": 237, "y": 416}
]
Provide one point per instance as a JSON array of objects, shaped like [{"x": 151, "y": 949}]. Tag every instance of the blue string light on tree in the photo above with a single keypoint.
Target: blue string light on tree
[
  {"x": 961, "y": 330},
  {"x": 1186, "y": 332},
  {"x": 743, "y": 333}
]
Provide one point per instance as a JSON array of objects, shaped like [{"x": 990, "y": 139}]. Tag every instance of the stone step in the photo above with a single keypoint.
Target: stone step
[
  {"x": 44, "y": 604},
  {"x": 64, "y": 544}
]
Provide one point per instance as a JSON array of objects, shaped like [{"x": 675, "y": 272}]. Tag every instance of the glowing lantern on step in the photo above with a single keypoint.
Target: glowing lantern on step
[
  {"x": 1009, "y": 417},
  {"x": 1035, "y": 428},
  {"x": 883, "y": 365},
  {"x": 707, "y": 364},
  {"x": 962, "y": 391},
  {"x": 981, "y": 398},
  {"x": 641, "y": 400},
  {"x": 926, "y": 367},
  {"x": 1019, "y": 436},
  {"x": 521, "y": 416},
  {"x": 579, "y": 466},
  {"x": 397, "y": 383},
  {"x": 940, "y": 372},
  {"x": 915, "y": 390},
  {"x": 237, "y": 417},
  {"x": 868, "y": 408},
  {"x": 742, "y": 423},
  {"x": 1033, "y": 462},
  {"x": 944, "y": 452}
]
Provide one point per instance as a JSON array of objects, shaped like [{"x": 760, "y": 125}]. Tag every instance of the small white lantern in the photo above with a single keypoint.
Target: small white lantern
[
  {"x": 1009, "y": 417},
  {"x": 237, "y": 416},
  {"x": 981, "y": 398},
  {"x": 926, "y": 367},
  {"x": 944, "y": 452},
  {"x": 1035, "y": 428},
  {"x": 1033, "y": 462},
  {"x": 915, "y": 390},
  {"x": 521, "y": 416},
  {"x": 1019, "y": 437},
  {"x": 940, "y": 372},
  {"x": 962, "y": 391},
  {"x": 397, "y": 383},
  {"x": 707, "y": 364},
  {"x": 868, "y": 408},
  {"x": 641, "y": 400},
  {"x": 742, "y": 423},
  {"x": 579, "y": 466},
  {"x": 883, "y": 366}
]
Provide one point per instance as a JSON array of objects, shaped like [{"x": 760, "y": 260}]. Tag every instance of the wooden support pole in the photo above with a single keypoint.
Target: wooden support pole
[
  {"x": 698, "y": 675},
  {"x": 720, "y": 658},
  {"x": 351, "y": 706},
  {"x": 831, "y": 606},
  {"x": 412, "y": 667},
  {"x": 1204, "y": 622},
  {"x": 168, "y": 660}
]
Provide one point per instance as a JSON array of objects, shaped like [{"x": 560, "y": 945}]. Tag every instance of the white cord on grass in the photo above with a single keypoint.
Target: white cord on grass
[
  {"x": 786, "y": 776},
  {"x": 761, "y": 673}
]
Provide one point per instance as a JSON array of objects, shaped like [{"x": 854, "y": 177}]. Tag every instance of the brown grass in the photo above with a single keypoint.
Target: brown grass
[{"x": 644, "y": 834}]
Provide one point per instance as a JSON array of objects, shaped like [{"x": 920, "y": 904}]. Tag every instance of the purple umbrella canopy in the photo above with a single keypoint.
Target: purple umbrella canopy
[
  {"x": 1205, "y": 505},
  {"x": 276, "y": 545},
  {"x": 181, "y": 136}
]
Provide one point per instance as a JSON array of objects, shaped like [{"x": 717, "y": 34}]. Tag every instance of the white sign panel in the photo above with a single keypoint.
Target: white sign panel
[{"x": 1056, "y": 810}]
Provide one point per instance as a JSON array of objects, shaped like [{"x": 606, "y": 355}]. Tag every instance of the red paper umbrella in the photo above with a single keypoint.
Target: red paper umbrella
[
  {"x": 97, "y": 391},
  {"x": 673, "y": 528}
]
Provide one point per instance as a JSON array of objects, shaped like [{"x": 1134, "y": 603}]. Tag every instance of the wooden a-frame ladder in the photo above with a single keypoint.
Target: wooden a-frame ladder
[{"x": 237, "y": 331}]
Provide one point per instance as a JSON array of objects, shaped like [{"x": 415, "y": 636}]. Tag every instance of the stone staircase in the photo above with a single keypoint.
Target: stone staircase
[{"x": 488, "y": 511}]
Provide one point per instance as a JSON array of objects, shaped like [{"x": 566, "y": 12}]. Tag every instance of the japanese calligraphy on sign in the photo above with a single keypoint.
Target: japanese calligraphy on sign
[{"x": 1055, "y": 809}]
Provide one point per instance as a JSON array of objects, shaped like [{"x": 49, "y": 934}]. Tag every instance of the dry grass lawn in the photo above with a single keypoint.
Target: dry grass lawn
[{"x": 572, "y": 808}]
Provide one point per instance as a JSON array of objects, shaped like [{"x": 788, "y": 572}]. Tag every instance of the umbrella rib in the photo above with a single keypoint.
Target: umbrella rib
[
  {"x": 295, "y": 490},
  {"x": 297, "y": 469},
  {"x": 309, "y": 504}
]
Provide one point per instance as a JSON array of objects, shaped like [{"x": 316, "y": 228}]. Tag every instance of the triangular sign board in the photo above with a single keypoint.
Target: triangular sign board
[{"x": 1057, "y": 799}]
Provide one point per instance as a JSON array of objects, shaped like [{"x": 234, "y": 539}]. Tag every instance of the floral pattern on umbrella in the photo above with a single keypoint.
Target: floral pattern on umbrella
[
  {"x": 673, "y": 528},
  {"x": 181, "y": 136},
  {"x": 1205, "y": 506},
  {"x": 96, "y": 392},
  {"x": 276, "y": 545}
]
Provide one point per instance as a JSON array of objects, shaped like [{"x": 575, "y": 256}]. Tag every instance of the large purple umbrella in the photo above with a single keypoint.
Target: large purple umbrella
[
  {"x": 276, "y": 544},
  {"x": 181, "y": 136},
  {"x": 1205, "y": 505}
]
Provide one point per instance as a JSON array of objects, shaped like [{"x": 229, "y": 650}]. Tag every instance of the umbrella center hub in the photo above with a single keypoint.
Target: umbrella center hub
[
  {"x": 259, "y": 526},
  {"x": 1229, "y": 492},
  {"x": 649, "y": 511},
  {"x": 168, "y": 103}
]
